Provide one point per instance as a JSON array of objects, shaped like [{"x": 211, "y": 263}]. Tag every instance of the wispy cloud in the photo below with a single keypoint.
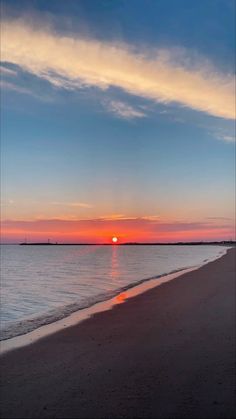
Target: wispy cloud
[
  {"x": 11, "y": 86},
  {"x": 151, "y": 217},
  {"x": 227, "y": 138},
  {"x": 6, "y": 203},
  {"x": 115, "y": 217},
  {"x": 127, "y": 229},
  {"x": 7, "y": 71},
  {"x": 123, "y": 110},
  {"x": 226, "y": 134},
  {"x": 219, "y": 218},
  {"x": 72, "y": 204},
  {"x": 70, "y": 62},
  {"x": 14, "y": 87}
]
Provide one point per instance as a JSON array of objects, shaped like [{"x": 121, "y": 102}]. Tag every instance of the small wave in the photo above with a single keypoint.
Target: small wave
[
  {"x": 25, "y": 326},
  {"x": 22, "y": 327}
]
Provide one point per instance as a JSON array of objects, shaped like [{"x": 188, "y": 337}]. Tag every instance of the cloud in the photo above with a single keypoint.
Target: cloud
[
  {"x": 227, "y": 138},
  {"x": 115, "y": 217},
  {"x": 6, "y": 203},
  {"x": 127, "y": 229},
  {"x": 6, "y": 85},
  {"x": 7, "y": 71},
  {"x": 151, "y": 217},
  {"x": 162, "y": 76},
  {"x": 219, "y": 218},
  {"x": 11, "y": 86},
  {"x": 123, "y": 110},
  {"x": 73, "y": 204},
  {"x": 224, "y": 134}
]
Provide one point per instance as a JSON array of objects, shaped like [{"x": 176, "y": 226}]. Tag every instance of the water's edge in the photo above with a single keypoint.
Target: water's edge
[
  {"x": 24, "y": 326},
  {"x": 51, "y": 324}
]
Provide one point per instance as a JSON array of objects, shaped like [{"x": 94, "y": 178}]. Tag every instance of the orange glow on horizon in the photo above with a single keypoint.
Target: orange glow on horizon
[{"x": 99, "y": 232}]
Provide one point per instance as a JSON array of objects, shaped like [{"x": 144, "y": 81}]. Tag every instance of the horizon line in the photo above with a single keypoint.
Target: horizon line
[{"x": 124, "y": 244}]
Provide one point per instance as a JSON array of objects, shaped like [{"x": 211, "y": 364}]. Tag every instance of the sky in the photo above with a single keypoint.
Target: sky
[{"x": 117, "y": 119}]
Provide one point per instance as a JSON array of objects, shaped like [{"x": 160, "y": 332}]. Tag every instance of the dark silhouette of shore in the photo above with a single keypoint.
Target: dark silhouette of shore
[{"x": 199, "y": 243}]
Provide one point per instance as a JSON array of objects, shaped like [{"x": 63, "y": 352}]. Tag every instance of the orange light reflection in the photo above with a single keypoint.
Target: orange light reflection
[
  {"x": 121, "y": 297},
  {"x": 114, "y": 263}
]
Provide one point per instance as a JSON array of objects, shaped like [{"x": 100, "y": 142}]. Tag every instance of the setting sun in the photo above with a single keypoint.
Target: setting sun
[{"x": 114, "y": 239}]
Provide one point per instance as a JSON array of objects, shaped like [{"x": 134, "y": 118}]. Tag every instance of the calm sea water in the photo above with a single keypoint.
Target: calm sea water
[{"x": 41, "y": 284}]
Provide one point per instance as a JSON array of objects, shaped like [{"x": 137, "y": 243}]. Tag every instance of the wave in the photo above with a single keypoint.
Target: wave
[{"x": 22, "y": 327}]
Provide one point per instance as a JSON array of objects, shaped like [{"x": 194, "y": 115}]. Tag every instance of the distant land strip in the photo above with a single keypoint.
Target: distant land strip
[{"x": 228, "y": 242}]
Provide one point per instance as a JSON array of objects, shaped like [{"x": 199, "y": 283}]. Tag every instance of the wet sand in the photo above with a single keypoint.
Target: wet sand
[{"x": 167, "y": 353}]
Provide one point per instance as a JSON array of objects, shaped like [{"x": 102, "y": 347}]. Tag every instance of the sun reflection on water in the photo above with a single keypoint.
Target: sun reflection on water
[{"x": 114, "y": 263}]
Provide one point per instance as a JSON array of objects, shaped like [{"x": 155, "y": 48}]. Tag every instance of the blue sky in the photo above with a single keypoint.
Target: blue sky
[{"x": 122, "y": 110}]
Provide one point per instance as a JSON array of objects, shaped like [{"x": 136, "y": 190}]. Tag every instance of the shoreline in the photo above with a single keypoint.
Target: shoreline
[
  {"x": 83, "y": 314},
  {"x": 168, "y": 352}
]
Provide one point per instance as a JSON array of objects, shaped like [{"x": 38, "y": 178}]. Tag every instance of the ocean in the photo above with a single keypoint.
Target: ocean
[{"x": 42, "y": 284}]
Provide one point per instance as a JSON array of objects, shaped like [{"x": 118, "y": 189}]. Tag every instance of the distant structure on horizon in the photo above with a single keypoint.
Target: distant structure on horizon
[
  {"x": 26, "y": 243},
  {"x": 49, "y": 243}
]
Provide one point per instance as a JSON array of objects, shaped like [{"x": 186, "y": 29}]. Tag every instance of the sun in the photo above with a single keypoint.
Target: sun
[{"x": 114, "y": 239}]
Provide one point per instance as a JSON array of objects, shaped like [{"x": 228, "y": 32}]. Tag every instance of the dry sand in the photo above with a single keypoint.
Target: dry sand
[{"x": 167, "y": 353}]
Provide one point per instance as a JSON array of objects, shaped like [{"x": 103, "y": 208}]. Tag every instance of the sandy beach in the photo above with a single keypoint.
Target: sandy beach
[{"x": 167, "y": 353}]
